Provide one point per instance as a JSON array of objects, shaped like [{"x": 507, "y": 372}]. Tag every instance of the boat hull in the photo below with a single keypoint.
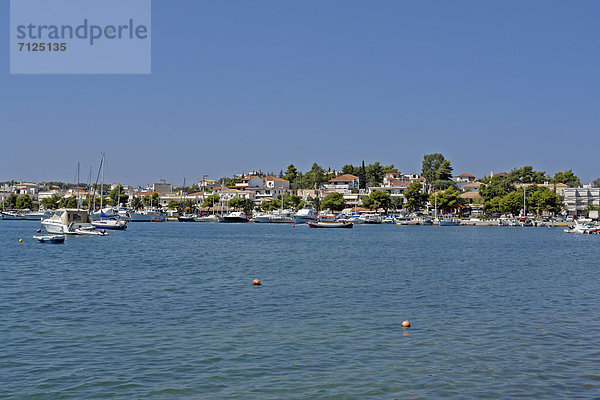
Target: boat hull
[
  {"x": 234, "y": 220},
  {"x": 330, "y": 225}
]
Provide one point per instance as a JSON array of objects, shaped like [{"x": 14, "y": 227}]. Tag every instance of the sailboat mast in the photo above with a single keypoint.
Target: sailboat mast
[
  {"x": 78, "y": 189},
  {"x": 102, "y": 185}
]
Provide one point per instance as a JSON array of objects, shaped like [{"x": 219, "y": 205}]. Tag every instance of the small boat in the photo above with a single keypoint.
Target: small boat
[
  {"x": 330, "y": 224},
  {"x": 110, "y": 223},
  {"x": 262, "y": 217},
  {"x": 370, "y": 219},
  {"x": 186, "y": 218},
  {"x": 11, "y": 215},
  {"x": 448, "y": 221},
  {"x": 54, "y": 239}
]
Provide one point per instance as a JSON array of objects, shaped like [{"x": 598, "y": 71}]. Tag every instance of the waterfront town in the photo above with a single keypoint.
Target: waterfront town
[{"x": 372, "y": 189}]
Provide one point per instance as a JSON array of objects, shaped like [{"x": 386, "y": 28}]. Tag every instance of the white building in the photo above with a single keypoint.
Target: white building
[{"x": 577, "y": 200}]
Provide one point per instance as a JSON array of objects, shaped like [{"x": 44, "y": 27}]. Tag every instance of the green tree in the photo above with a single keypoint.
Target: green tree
[
  {"x": 431, "y": 167},
  {"x": 568, "y": 178},
  {"x": 443, "y": 184},
  {"x": 415, "y": 198},
  {"x": 211, "y": 200},
  {"x": 292, "y": 175},
  {"x": 374, "y": 173},
  {"x": 527, "y": 174},
  {"x": 68, "y": 202},
  {"x": 173, "y": 205},
  {"x": 397, "y": 203},
  {"x": 50, "y": 203},
  {"x": 448, "y": 200},
  {"x": 362, "y": 176},
  {"x": 496, "y": 186},
  {"x": 137, "y": 203},
  {"x": 444, "y": 172},
  {"x": 24, "y": 202},
  {"x": 512, "y": 203},
  {"x": 246, "y": 205},
  {"x": 334, "y": 202},
  {"x": 493, "y": 205},
  {"x": 118, "y": 193},
  {"x": 348, "y": 169},
  {"x": 378, "y": 199},
  {"x": 596, "y": 182},
  {"x": 11, "y": 201},
  {"x": 544, "y": 200},
  {"x": 153, "y": 200}
]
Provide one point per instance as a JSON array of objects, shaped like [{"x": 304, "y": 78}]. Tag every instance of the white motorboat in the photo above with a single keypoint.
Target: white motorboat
[
  {"x": 11, "y": 215},
  {"x": 582, "y": 225},
  {"x": 35, "y": 215},
  {"x": 370, "y": 219},
  {"x": 209, "y": 218},
  {"x": 236, "y": 217},
  {"x": 110, "y": 223},
  {"x": 147, "y": 215},
  {"x": 262, "y": 217},
  {"x": 71, "y": 222},
  {"x": 281, "y": 217},
  {"x": 330, "y": 224},
  {"x": 305, "y": 215},
  {"x": 54, "y": 239}
]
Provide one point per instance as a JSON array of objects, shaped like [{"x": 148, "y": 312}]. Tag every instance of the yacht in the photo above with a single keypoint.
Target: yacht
[
  {"x": 110, "y": 223},
  {"x": 71, "y": 222},
  {"x": 147, "y": 215},
  {"x": 281, "y": 217},
  {"x": 262, "y": 217},
  {"x": 235, "y": 217},
  {"x": 209, "y": 218},
  {"x": 35, "y": 215},
  {"x": 370, "y": 219},
  {"x": 305, "y": 215}
]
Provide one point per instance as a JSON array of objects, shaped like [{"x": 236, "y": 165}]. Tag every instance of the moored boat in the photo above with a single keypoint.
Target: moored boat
[
  {"x": 449, "y": 221},
  {"x": 53, "y": 239},
  {"x": 71, "y": 222},
  {"x": 330, "y": 224},
  {"x": 235, "y": 217}
]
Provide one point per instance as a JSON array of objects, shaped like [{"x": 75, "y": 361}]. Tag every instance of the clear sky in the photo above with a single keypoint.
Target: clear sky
[{"x": 242, "y": 85}]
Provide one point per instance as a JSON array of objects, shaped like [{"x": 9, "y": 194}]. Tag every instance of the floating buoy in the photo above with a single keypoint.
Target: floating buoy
[
  {"x": 405, "y": 324},
  {"x": 457, "y": 230},
  {"x": 256, "y": 282},
  {"x": 293, "y": 226},
  {"x": 20, "y": 240}
]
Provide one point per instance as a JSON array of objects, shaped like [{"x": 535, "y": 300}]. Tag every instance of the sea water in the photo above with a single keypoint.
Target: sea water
[{"x": 168, "y": 311}]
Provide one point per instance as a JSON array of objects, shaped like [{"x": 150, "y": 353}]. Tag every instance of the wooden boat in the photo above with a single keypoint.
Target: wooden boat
[
  {"x": 330, "y": 224},
  {"x": 54, "y": 239}
]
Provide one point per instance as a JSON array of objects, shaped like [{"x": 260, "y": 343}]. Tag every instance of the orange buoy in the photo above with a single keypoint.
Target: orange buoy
[
  {"x": 293, "y": 226},
  {"x": 405, "y": 324},
  {"x": 256, "y": 282},
  {"x": 457, "y": 230}
]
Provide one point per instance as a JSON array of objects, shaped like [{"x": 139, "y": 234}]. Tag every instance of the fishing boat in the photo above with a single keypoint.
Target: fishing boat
[
  {"x": 71, "y": 222},
  {"x": 330, "y": 224},
  {"x": 53, "y": 239}
]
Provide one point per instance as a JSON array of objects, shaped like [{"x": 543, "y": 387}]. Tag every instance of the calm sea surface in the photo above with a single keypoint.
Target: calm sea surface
[{"x": 168, "y": 311}]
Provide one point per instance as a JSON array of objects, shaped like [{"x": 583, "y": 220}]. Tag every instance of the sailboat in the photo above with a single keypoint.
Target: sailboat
[
  {"x": 184, "y": 217},
  {"x": 107, "y": 221}
]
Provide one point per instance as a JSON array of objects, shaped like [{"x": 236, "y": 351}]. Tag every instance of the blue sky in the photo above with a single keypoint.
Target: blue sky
[{"x": 242, "y": 85}]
